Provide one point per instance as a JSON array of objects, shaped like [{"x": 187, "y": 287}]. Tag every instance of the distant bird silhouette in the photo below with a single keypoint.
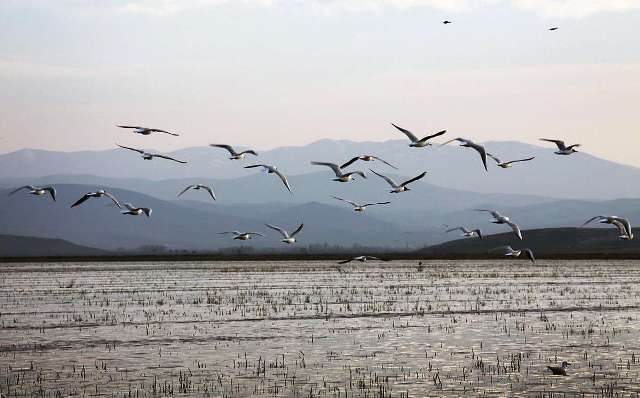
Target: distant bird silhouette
[
  {"x": 147, "y": 130},
  {"x": 340, "y": 175},
  {"x": 362, "y": 259},
  {"x": 446, "y": 22},
  {"x": 288, "y": 237},
  {"x": 510, "y": 163},
  {"x": 136, "y": 211},
  {"x": 198, "y": 187},
  {"x": 97, "y": 194},
  {"x": 623, "y": 225},
  {"x": 149, "y": 155},
  {"x": 397, "y": 188},
  {"x": 272, "y": 170},
  {"x": 37, "y": 191},
  {"x": 235, "y": 155},
  {"x": 510, "y": 252},
  {"x": 468, "y": 233},
  {"x": 366, "y": 158},
  {"x": 241, "y": 235},
  {"x": 562, "y": 148},
  {"x": 554, "y": 28},
  {"x": 559, "y": 370},
  {"x": 418, "y": 142},
  {"x": 360, "y": 207},
  {"x": 470, "y": 144},
  {"x": 500, "y": 219}
]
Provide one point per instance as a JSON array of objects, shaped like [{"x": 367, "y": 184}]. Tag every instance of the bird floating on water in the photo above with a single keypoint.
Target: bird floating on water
[
  {"x": 147, "y": 130},
  {"x": 340, "y": 175},
  {"x": 500, "y": 219},
  {"x": 623, "y": 225},
  {"x": 148, "y": 155},
  {"x": 235, "y": 155},
  {"x": 37, "y": 191},
  {"x": 510, "y": 252},
  {"x": 418, "y": 142},
  {"x": 366, "y": 158},
  {"x": 241, "y": 235},
  {"x": 362, "y": 259},
  {"x": 397, "y": 188},
  {"x": 467, "y": 233},
  {"x": 559, "y": 370},
  {"x": 136, "y": 211},
  {"x": 470, "y": 144},
  {"x": 510, "y": 163},
  {"x": 288, "y": 237},
  {"x": 272, "y": 170},
  {"x": 360, "y": 207},
  {"x": 562, "y": 148},
  {"x": 97, "y": 194},
  {"x": 198, "y": 187}
]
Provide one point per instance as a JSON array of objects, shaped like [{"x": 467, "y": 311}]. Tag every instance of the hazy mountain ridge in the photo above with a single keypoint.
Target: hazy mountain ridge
[{"x": 20, "y": 246}]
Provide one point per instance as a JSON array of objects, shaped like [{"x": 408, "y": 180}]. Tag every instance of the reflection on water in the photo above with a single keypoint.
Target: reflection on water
[{"x": 465, "y": 328}]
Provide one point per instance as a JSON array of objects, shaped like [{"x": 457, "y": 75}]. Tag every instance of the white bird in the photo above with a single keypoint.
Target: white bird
[
  {"x": 360, "y": 207},
  {"x": 198, "y": 187},
  {"x": 136, "y": 211},
  {"x": 147, "y": 130},
  {"x": 149, "y": 155},
  {"x": 366, "y": 158},
  {"x": 415, "y": 141},
  {"x": 272, "y": 170},
  {"x": 38, "y": 191},
  {"x": 97, "y": 194},
  {"x": 234, "y": 155},
  {"x": 241, "y": 235},
  {"x": 288, "y": 238},
  {"x": 509, "y": 252},
  {"x": 470, "y": 144},
  {"x": 467, "y": 233},
  {"x": 623, "y": 225},
  {"x": 362, "y": 259},
  {"x": 500, "y": 219},
  {"x": 562, "y": 148},
  {"x": 397, "y": 188},
  {"x": 340, "y": 175},
  {"x": 510, "y": 163}
]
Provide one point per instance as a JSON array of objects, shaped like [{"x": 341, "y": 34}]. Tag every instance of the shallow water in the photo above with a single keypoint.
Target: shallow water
[{"x": 452, "y": 328}]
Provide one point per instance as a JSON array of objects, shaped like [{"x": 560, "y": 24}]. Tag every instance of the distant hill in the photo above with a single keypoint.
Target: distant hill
[
  {"x": 579, "y": 176},
  {"x": 546, "y": 241},
  {"x": 28, "y": 246}
]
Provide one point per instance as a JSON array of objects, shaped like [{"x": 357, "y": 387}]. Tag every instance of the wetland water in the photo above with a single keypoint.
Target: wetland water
[{"x": 304, "y": 329}]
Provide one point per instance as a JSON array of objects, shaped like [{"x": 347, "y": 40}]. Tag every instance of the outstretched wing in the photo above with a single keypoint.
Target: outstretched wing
[
  {"x": 494, "y": 213},
  {"x": 360, "y": 173},
  {"x": 186, "y": 189},
  {"x": 113, "y": 199},
  {"x": 438, "y": 134},
  {"x": 559, "y": 143},
  {"x": 251, "y": 151},
  {"x": 592, "y": 219},
  {"x": 516, "y": 229},
  {"x": 520, "y": 160},
  {"x": 455, "y": 139},
  {"x": 276, "y": 228},
  {"x": 332, "y": 166},
  {"x": 132, "y": 127},
  {"x": 504, "y": 250},
  {"x": 416, "y": 178},
  {"x": 385, "y": 162},
  {"x": 146, "y": 211},
  {"x": 494, "y": 158},
  {"x": 350, "y": 162},
  {"x": 52, "y": 192},
  {"x": 163, "y": 131},
  {"x": 376, "y": 203},
  {"x": 283, "y": 178},
  {"x": 406, "y": 132},
  {"x": 573, "y": 146},
  {"x": 81, "y": 200},
  {"x": 140, "y": 151},
  {"x": 529, "y": 255},
  {"x": 208, "y": 189},
  {"x": 463, "y": 229},
  {"x": 478, "y": 232},
  {"x": 480, "y": 149},
  {"x": 229, "y": 148},
  {"x": 345, "y": 261},
  {"x": 294, "y": 233},
  {"x": 29, "y": 187},
  {"x": 255, "y": 233},
  {"x": 384, "y": 177},
  {"x": 256, "y": 165},
  {"x": 169, "y": 158},
  {"x": 346, "y": 200}
]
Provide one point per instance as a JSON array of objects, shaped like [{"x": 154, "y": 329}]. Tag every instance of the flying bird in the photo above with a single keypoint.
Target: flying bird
[
  {"x": 272, "y": 170},
  {"x": 554, "y": 28},
  {"x": 509, "y": 252},
  {"x": 235, "y": 155},
  {"x": 415, "y": 141},
  {"x": 446, "y": 22},
  {"x": 623, "y": 225},
  {"x": 198, "y": 187},
  {"x": 288, "y": 238},
  {"x": 149, "y": 155},
  {"x": 467, "y": 233},
  {"x": 397, "y": 188},
  {"x": 562, "y": 148},
  {"x": 136, "y": 211},
  {"x": 470, "y": 144},
  {"x": 360, "y": 207},
  {"x": 97, "y": 194},
  {"x": 500, "y": 219},
  {"x": 559, "y": 370},
  {"x": 38, "y": 191},
  {"x": 241, "y": 235},
  {"x": 366, "y": 158},
  {"x": 147, "y": 130},
  {"x": 510, "y": 163},
  {"x": 340, "y": 175},
  {"x": 362, "y": 259}
]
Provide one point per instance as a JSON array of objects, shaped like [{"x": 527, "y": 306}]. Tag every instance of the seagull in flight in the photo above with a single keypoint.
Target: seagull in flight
[
  {"x": 470, "y": 144},
  {"x": 562, "y": 148},
  {"x": 467, "y": 233},
  {"x": 38, "y": 191},
  {"x": 97, "y": 194},
  {"x": 198, "y": 187},
  {"x": 150, "y": 156},
  {"x": 559, "y": 370},
  {"x": 241, "y": 235},
  {"x": 340, "y": 175},
  {"x": 554, "y": 28},
  {"x": 500, "y": 219},
  {"x": 136, "y": 211},
  {"x": 360, "y": 207},
  {"x": 234, "y": 155},
  {"x": 288, "y": 238},
  {"x": 622, "y": 224},
  {"x": 362, "y": 259},
  {"x": 509, "y": 252},
  {"x": 272, "y": 170},
  {"x": 366, "y": 158},
  {"x": 446, "y": 22},
  {"x": 397, "y": 188},
  {"x": 418, "y": 142},
  {"x": 147, "y": 130},
  {"x": 510, "y": 163}
]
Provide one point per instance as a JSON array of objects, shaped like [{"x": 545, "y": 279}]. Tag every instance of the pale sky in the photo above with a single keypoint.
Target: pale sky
[{"x": 267, "y": 73}]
